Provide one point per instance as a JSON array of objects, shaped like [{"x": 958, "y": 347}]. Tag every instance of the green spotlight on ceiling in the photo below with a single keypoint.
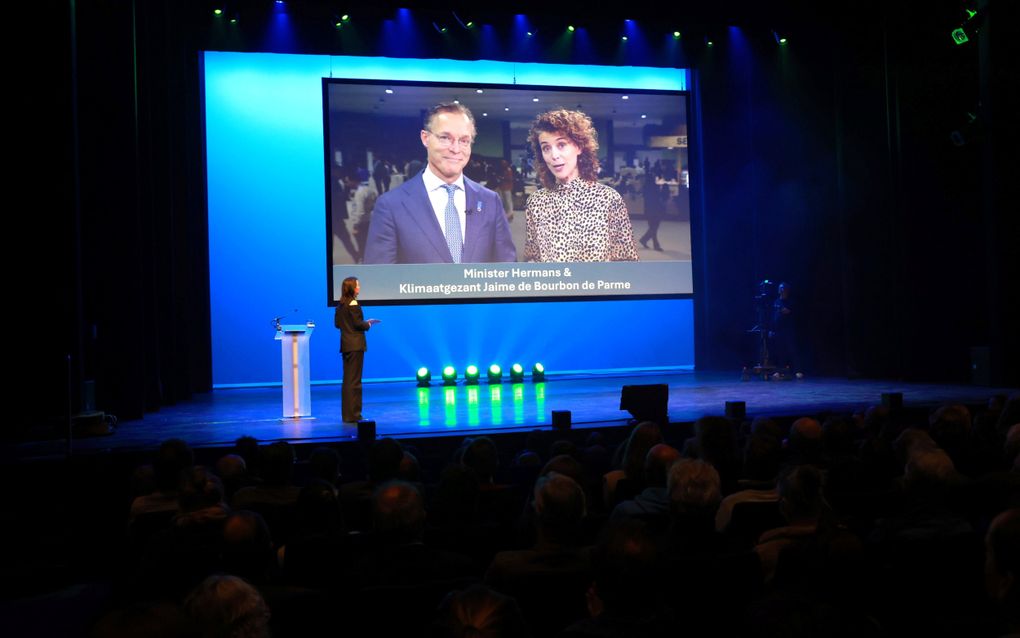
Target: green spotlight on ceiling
[
  {"x": 449, "y": 375},
  {"x": 570, "y": 28},
  {"x": 217, "y": 12},
  {"x": 516, "y": 373},
  {"x": 471, "y": 375},
  {"x": 423, "y": 377},
  {"x": 529, "y": 34},
  {"x": 537, "y": 373},
  {"x": 623, "y": 39},
  {"x": 345, "y": 17},
  {"x": 495, "y": 373},
  {"x": 676, "y": 35},
  {"x": 469, "y": 24}
]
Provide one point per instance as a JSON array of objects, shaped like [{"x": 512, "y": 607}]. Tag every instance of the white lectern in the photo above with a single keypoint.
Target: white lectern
[{"x": 297, "y": 393}]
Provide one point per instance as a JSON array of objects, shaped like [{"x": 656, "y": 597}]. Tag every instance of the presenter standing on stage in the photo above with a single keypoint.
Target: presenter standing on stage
[{"x": 351, "y": 321}]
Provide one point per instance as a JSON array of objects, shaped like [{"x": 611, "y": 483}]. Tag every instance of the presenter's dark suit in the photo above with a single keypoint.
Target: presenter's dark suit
[
  {"x": 404, "y": 228},
  {"x": 353, "y": 344}
]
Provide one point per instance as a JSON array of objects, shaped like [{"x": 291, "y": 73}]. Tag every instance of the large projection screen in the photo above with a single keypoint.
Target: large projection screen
[
  {"x": 264, "y": 154},
  {"x": 373, "y": 130}
]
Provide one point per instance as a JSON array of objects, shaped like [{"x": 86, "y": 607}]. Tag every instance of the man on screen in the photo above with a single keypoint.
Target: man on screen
[{"x": 440, "y": 216}]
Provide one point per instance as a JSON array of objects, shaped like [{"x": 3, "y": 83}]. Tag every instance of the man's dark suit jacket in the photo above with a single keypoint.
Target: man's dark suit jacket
[
  {"x": 351, "y": 321},
  {"x": 404, "y": 228}
]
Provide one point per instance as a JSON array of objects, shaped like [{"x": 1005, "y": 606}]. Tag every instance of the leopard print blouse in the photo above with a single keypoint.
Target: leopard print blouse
[{"x": 578, "y": 221}]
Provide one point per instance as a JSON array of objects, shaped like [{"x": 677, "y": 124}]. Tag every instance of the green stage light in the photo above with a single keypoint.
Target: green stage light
[
  {"x": 423, "y": 376},
  {"x": 218, "y": 12},
  {"x": 516, "y": 373},
  {"x": 676, "y": 35},
  {"x": 471, "y": 375},
  {"x": 495, "y": 373},
  {"x": 345, "y": 17},
  {"x": 449, "y": 375},
  {"x": 538, "y": 373},
  {"x": 570, "y": 28},
  {"x": 623, "y": 38}
]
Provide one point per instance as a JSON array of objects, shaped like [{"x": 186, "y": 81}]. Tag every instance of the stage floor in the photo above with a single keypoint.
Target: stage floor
[{"x": 403, "y": 410}]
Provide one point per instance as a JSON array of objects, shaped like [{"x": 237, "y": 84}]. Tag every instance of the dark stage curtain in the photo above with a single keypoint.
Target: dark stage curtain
[{"x": 115, "y": 291}]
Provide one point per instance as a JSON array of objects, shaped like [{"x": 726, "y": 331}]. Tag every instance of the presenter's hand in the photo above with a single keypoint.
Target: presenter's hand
[{"x": 372, "y": 322}]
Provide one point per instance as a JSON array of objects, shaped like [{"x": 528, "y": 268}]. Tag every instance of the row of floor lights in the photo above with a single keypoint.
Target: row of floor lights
[{"x": 472, "y": 374}]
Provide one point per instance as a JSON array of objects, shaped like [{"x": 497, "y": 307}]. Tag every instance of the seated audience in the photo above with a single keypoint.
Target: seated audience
[
  {"x": 627, "y": 481},
  {"x": 550, "y": 579},
  {"x": 652, "y": 504},
  {"x": 225, "y": 606},
  {"x": 172, "y": 457},
  {"x": 1002, "y": 569},
  {"x": 479, "y": 612}
]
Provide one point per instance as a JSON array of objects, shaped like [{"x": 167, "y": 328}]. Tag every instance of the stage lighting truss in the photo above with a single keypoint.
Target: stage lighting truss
[{"x": 472, "y": 374}]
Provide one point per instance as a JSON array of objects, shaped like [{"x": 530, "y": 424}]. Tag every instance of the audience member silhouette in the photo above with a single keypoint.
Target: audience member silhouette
[
  {"x": 225, "y": 606},
  {"x": 549, "y": 580},
  {"x": 627, "y": 481}
]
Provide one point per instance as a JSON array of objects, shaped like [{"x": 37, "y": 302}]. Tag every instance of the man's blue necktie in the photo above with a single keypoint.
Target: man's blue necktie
[{"x": 453, "y": 238}]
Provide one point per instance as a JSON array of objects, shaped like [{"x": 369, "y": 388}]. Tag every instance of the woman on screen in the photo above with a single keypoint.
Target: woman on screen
[{"x": 574, "y": 217}]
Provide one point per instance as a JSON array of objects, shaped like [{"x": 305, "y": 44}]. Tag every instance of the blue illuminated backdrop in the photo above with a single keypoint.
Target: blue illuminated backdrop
[{"x": 263, "y": 122}]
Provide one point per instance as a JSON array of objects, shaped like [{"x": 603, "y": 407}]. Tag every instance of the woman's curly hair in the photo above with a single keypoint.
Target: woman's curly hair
[{"x": 578, "y": 127}]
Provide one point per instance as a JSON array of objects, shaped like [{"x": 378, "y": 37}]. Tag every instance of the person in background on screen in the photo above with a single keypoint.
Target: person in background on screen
[
  {"x": 351, "y": 321},
  {"x": 504, "y": 183},
  {"x": 655, "y": 205},
  {"x": 362, "y": 203},
  {"x": 574, "y": 217},
  {"x": 340, "y": 194},
  {"x": 381, "y": 175}
]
